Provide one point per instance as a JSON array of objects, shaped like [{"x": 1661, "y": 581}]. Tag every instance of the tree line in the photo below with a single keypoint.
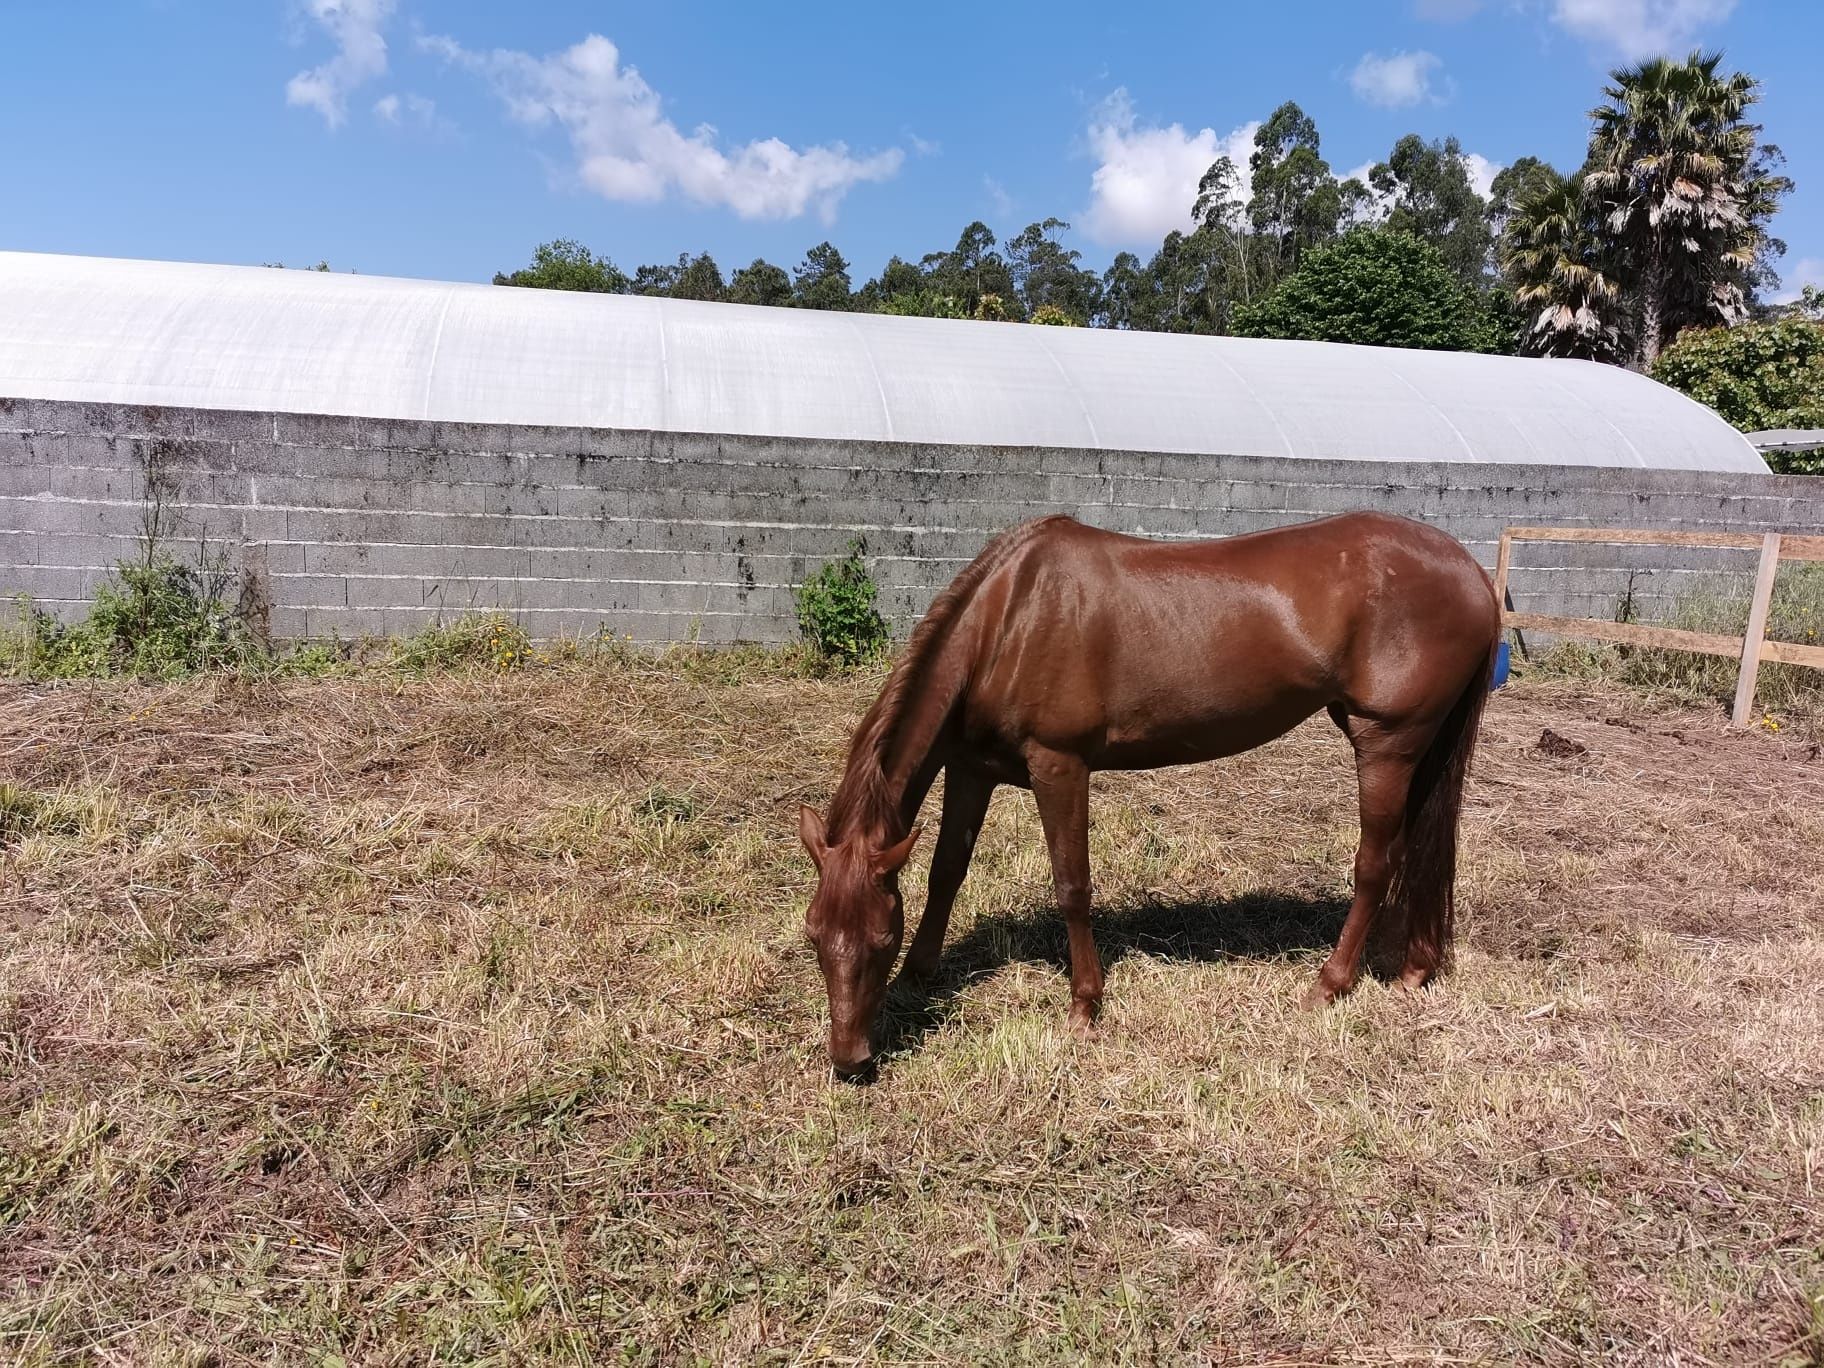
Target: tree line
[
  {"x": 1662, "y": 231},
  {"x": 1663, "y": 227}
]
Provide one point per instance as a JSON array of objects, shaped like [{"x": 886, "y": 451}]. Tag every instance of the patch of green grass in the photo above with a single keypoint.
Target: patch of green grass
[
  {"x": 1795, "y": 614},
  {"x": 490, "y": 641},
  {"x": 155, "y": 619},
  {"x": 26, "y": 812}
]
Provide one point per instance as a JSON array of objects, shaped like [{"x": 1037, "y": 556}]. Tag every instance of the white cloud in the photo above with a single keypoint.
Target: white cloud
[
  {"x": 360, "y": 56},
  {"x": 1146, "y": 177},
  {"x": 627, "y": 150},
  {"x": 1482, "y": 172},
  {"x": 923, "y": 146},
  {"x": 1805, "y": 271},
  {"x": 1395, "y": 81},
  {"x": 998, "y": 197},
  {"x": 1640, "y": 28},
  {"x": 401, "y": 110}
]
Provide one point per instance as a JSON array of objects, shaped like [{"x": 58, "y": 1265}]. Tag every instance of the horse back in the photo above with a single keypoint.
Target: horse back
[{"x": 1141, "y": 652}]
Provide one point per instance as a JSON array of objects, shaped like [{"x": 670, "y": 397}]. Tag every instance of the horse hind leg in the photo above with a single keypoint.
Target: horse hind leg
[
  {"x": 966, "y": 797},
  {"x": 1384, "y": 764},
  {"x": 1060, "y": 786}
]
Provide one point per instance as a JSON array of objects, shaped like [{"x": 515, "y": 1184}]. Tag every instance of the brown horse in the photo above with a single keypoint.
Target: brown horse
[{"x": 1062, "y": 650}]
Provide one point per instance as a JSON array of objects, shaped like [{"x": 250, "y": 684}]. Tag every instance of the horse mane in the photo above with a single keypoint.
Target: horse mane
[{"x": 864, "y": 800}]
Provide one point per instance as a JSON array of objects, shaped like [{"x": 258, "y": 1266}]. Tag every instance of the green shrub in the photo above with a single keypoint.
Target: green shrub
[
  {"x": 487, "y": 641},
  {"x": 1757, "y": 376},
  {"x": 836, "y": 611},
  {"x": 155, "y": 619}
]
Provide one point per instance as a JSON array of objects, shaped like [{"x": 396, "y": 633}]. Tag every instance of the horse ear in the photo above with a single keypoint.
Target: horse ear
[
  {"x": 810, "y": 831},
  {"x": 890, "y": 859}
]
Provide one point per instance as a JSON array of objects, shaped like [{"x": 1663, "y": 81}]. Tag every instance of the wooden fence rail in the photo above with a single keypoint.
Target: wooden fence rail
[{"x": 1750, "y": 649}]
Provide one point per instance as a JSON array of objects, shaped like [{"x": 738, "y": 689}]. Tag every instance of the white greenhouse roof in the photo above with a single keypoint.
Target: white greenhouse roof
[{"x": 234, "y": 337}]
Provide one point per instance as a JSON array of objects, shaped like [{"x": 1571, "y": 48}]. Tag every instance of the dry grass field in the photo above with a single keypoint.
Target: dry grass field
[{"x": 369, "y": 1020}]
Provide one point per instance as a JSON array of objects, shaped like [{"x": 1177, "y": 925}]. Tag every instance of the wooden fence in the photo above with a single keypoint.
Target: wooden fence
[{"x": 1751, "y": 648}]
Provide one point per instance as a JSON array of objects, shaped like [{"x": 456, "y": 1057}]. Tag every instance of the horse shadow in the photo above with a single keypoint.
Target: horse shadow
[{"x": 1265, "y": 926}]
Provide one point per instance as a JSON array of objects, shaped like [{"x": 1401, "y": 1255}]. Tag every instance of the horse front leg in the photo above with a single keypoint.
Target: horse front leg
[
  {"x": 1060, "y": 785},
  {"x": 966, "y": 796}
]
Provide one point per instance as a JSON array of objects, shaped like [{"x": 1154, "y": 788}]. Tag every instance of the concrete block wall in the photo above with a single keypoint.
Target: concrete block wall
[{"x": 351, "y": 526}]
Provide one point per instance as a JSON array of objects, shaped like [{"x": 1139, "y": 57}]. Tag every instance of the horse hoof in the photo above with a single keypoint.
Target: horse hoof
[
  {"x": 1317, "y": 997},
  {"x": 1412, "y": 980},
  {"x": 919, "y": 970},
  {"x": 1083, "y": 1022}
]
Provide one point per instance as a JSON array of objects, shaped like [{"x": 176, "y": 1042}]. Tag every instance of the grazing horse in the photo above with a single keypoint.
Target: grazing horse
[{"x": 1063, "y": 649}]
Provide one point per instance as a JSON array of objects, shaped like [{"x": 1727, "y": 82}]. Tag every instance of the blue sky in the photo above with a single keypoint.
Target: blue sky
[{"x": 444, "y": 138}]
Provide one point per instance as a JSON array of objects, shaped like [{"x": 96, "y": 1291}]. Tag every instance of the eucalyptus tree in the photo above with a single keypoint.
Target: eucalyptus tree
[
  {"x": 971, "y": 271},
  {"x": 1124, "y": 286},
  {"x": 1293, "y": 201},
  {"x": 1046, "y": 274},
  {"x": 1427, "y": 189}
]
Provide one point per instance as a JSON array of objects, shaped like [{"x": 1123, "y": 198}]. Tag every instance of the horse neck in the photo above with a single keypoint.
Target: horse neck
[
  {"x": 913, "y": 758},
  {"x": 903, "y": 743}
]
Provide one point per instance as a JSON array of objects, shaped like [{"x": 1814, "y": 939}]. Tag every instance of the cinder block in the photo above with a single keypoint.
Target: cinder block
[
  {"x": 17, "y": 451},
  {"x": 44, "y": 581},
  {"x": 384, "y": 434},
  {"x": 521, "y": 500},
  {"x": 396, "y": 591},
  {"x": 674, "y": 598},
  {"x": 281, "y": 557},
  {"x": 264, "y": 459},
  {"x": 309, "y": 591},
  {"x": 83, "y": 449},
  {"x": 593, "y": 503},
  {"x": 1163, "y": 522},
  {"x": 329, "y": 492},
  {"x": 331, "y": 525},
  {"x": 18, "y": 547},
  {"x": 47, "y": 514},
  {"x": 27, "y": 481},
  {"x": 287, "y": 624},
  {"x": 234, "y": 426},
  {"x": 315, "y": 430}
]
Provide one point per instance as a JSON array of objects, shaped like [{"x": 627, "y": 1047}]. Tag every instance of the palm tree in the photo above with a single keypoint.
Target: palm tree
[
  {"x": 1560, "y": 276},
  {"x": 1671, "y": 171}
]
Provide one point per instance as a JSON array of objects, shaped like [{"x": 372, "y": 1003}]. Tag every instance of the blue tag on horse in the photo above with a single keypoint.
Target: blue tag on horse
[{"x": 1501, "y": 662}]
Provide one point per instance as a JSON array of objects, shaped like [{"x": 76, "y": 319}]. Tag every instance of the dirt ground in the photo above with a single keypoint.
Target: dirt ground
[{"x": 368, "y": 1020}]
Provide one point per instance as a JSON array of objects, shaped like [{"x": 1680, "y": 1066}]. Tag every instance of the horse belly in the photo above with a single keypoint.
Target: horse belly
[{"x": 1188, "y": 736}]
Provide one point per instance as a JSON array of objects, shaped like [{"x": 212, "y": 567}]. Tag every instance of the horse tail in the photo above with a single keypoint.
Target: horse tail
[{"x": 1423, "y": 896}]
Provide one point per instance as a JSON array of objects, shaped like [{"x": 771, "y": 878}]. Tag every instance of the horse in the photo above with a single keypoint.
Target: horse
[{"x": 1063, "y": 649}]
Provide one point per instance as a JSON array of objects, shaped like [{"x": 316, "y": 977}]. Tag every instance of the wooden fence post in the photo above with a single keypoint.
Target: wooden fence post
[
  {"x": 1502, "y": 558},
  {"x": 1757, "y": 631}
]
